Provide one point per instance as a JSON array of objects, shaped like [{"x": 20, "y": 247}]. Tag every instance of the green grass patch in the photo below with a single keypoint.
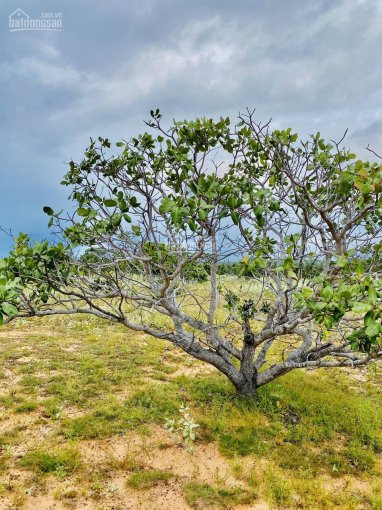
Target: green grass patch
[
  {"x": 309, "y": 427},
  {"x": 301, "y": 461},
  {"x": 202, "y": 495},
  {"x": 151, "y": 405},
  {"x": 243, "y": 441},
  {"x": 26, "y": 407},
  {"x": 279, "y": 489},
  {"x": 30, "y": 383},
  {"x": 353, "y": 459},
  {"x": 64, "y": 461},
  {"x": 142, "y": 480},
  {"x": 325, "y": 409}
]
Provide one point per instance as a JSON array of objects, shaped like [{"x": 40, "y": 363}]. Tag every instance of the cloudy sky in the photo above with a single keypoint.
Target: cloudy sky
[{"x": 312, "y": 65}]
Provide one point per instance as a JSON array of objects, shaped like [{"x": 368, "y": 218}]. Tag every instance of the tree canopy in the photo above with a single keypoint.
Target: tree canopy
[{"x": 302, "y": 220}]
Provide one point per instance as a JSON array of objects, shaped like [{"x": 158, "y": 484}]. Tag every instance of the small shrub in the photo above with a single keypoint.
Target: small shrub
[{"x": 185, "y": 425}]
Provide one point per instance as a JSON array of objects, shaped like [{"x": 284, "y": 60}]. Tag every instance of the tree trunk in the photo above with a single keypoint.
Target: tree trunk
[
  {"x": 247, "y": 386},
  {"x": 247, "y": 389}
]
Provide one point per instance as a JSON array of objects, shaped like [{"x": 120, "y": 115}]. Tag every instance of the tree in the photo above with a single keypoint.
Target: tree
[{"x": 302, "y": 219}]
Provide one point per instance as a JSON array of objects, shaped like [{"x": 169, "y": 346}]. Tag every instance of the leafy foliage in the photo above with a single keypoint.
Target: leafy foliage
[{"x": 301, "y": 221}]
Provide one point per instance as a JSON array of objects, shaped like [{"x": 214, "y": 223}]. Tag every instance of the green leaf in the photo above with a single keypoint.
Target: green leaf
[
  {"x": 48, "y": 210},
  {"x": 346, "y": 182},
  {"x": 342, "y": 261},
  {"x": 372, "y": 293},
  {"x": 202, "y": 214},
  {"x": 83, "y": 212},
  {"x": 327, "y": 292},
  {"x": 120, "y": 144},
  {"x": 360, "y": 269},
  {"x": 369, "y": 317},
  {"x": 166, "y": 205},
  {"x": 235, "y": 217},
  {"x": 9, "y": 309},
  {"x": 260, "y": 262},
  {"x": 318, "y": 306},
  {"x": 306, "y": 292},
  {"x": 176, "y": 215},
  {"x": 224, "y": 213},
  {"x": 373, "y": 328},
  {"x": 192, "y": 224},
  {"x": 134, "y": 202},
  {"x": 361, "y": 308},
  {"x": 109, "y": 202},
  {"x": 288, "y": 263},
  {"x": 232, "y": 201}
]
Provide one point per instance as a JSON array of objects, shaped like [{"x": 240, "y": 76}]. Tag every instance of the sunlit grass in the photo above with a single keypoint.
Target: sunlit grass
[
  {"x": 206, "y": 496},
  {"x": 142, "y": 480},
  {"x": 63, "y": 461}
]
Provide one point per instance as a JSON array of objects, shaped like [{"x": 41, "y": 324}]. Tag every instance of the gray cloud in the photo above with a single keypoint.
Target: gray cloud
[{"x": 311, "y": 65}]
